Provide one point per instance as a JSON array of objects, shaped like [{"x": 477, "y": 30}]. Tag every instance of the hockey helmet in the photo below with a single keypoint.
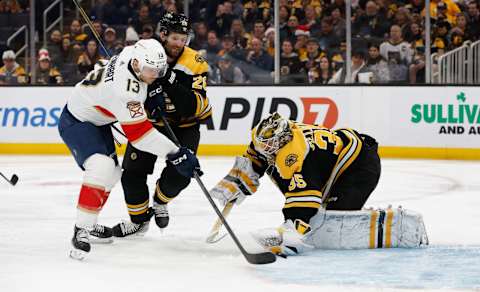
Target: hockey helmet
[
  {"x": 151, "y": 57},
  {"x": 271, "y": 134},
  {"x": 172, "y": 22}
]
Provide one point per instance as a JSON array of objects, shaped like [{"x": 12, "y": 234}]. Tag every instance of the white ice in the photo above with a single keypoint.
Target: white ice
[{"x": 37, "y": 217}]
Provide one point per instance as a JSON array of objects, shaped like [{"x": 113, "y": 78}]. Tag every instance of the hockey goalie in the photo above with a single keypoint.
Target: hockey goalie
[{"x": 326, "y": 177}]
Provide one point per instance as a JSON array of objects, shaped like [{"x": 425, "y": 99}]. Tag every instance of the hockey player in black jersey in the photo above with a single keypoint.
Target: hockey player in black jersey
[
  {"x": 313, "y": 166},
  {"x": 181, "y": 97}
]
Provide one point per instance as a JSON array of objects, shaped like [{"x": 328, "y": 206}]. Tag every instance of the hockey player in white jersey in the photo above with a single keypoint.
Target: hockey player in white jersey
[{"x": 113, "y": 93}]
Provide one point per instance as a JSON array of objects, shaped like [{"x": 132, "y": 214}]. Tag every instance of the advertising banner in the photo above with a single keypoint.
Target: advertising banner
[{"x": 436, "y": 117}]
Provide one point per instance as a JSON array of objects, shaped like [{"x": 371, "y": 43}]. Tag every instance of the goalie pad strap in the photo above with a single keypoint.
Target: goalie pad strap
[{"x": 239, "y": 183}]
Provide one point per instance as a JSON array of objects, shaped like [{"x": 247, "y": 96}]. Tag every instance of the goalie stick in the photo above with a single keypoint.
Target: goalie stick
[
  {"x": 213, "y": 235},
  {"x": 13, "y": 181}
]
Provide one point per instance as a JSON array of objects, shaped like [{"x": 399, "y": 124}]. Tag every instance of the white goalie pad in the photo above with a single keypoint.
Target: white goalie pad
[
  {"x": 241, "y": 181},
  {"x": 381, "y": 228}
]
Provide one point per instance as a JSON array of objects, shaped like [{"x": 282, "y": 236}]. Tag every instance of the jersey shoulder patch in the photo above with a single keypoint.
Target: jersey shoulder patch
[
  {"x": 191, "y": 62},
  {"x": 290, "y": 158}
]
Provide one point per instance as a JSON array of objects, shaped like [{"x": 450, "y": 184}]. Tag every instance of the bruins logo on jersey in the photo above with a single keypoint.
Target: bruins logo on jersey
[
  {"x": 291, "y": 159},
  {"x": 199, "y": 58}
]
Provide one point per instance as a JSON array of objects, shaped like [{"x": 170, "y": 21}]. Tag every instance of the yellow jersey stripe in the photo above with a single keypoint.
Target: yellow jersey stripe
[
  {"x": 373, "y": 225},
  {"x": 302, "y": 205},
  {"x": 161, "y": 196},
  {"x": 388, "y": 238},
  {"x": 138, "y": 212},
  {"x": 138, "y": 205},
  {"x": 304, "y": 193}
]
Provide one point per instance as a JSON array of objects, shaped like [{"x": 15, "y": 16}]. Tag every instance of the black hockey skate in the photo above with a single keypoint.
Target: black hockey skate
[
  {"x": 80, "y": 243},
  {"x": 130, "y": 229},
  {"x": 160, "y": 212},
  {"x": 101, "y": 234}
]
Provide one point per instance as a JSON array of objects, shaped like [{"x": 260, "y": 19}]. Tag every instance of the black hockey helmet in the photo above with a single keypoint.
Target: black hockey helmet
[{"x": 172, "y": 22}]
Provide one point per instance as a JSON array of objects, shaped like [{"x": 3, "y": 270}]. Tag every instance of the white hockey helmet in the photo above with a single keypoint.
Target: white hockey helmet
[
  {"x": 151, "y": 57},
  {"x": 271, "y": 134}
]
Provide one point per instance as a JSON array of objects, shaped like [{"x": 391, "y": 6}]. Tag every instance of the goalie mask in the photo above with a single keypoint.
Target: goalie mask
[{"x": 271, "y": 134}]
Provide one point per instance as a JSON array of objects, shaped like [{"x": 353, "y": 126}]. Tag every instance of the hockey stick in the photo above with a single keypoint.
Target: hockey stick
[
  {"x": 253, "y": 258},
  {"x": 260, "y": 258},
  {"x": 13, "y": 181},
  {"x": 212, "y": 237}
]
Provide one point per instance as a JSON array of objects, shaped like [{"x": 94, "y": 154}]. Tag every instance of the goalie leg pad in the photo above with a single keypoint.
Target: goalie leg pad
[{"x": 382, "y": 228}]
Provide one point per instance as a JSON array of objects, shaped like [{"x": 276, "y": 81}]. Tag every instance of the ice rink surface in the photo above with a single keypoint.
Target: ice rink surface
[{"x": 37, "y": 217}]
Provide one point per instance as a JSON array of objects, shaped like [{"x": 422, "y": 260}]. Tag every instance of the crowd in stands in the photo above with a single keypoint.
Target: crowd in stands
[{"x": 237, "y": 39}]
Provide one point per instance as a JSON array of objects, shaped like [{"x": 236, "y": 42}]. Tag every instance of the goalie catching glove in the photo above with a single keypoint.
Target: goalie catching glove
[
  {"x": 240, "y": 182},
  {"x": 286, "y": 240}
]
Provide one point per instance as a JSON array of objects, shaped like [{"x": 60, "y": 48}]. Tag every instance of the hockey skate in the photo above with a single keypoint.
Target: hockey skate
[
  {"x": 80, "y": 243},
  {"x": 160, "y": 212},
  {"x": 101, "y": 234},
  {"x": 130, "y": 229}
]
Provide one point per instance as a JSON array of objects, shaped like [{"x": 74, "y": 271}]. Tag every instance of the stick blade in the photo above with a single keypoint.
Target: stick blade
[
  {"x": 261, "y": 258},
  {"x": 14, "y": 179}
]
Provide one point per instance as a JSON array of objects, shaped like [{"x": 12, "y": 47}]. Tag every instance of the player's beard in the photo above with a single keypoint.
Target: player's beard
[{"x": 173, "y": 51}]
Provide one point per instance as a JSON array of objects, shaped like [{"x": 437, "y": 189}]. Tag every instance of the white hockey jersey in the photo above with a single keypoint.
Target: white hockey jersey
[{"x": 114, "y": 93}]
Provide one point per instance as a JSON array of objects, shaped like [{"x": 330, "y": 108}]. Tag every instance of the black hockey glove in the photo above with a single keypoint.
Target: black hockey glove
[
  {"x": 169, "y": 79},
  {"x": 155, "y": 103},
  {"x": 185, "y": 162}
]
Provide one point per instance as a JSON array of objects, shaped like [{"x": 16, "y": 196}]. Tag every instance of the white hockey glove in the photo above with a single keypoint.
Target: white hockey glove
[
  {"x": 286, "y": 240},
  {"x": 240, "y": 182}
]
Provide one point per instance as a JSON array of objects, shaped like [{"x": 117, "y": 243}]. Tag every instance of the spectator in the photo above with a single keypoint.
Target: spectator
[
  {"x": 284, "y": 14},
  {"x": 321, "y": 74},
  {"x": 270, "y": 41},
  {"x": 68, "y": 55},
  {"x": 128, "y": 10},
  {"x": 289, "y": 31},
  {"x": 371, "y": 24},
  {"x": 311, "y": 20},
  {"x": 110, "y": 44},
  {"x": 460, "y": 32},
  {"x": 327, "y": 38},
  {"x": 291, "y": 69},
  {"x": 46, "y": 74},
  {"x": 360, "y": 72},
  {"x": 444, "y": 10},
  {"x": 301, "y": 43},
  {"x": 338, "y": 23},
  {"x": 99, "y": 27},
  {"x": 228, "y": 47},
  {"x": 108, "y": 12},
  {"x": 131, "y": 36},
  {"x": 402, "y": 19},
  {"x": 170, "y": 6},
  {"x": 473, "y": 19},
  {"x": 147, "y": 32},
  {"x": 76, "y": 34},
  {"x": 259, "y": 30},
  {"x": 11, "y": 73},
  {"x": 241, "y": 38},
  {"x": 395, "y": 49},
  {"x": 200, "y": 37},
  {"x": 157, "y": 10},
  {"x": 260, "y": 59},
  {"x": 87, "y": 60},
  {"x": 10, "y": 6},
  {"x": 213, "y": 47},
  {"x": 377, "y": 65},
  {"x": 229, "y": 72},
  {"x": 312, "y": 55},
  {"x": 222, "y": 21},
  {"x": 414, "y": 35},
  {"x": 54, "y": 47},
  {"x": 142, "y": 19},
  {"x": 417, "y": 68},
  {"x": 440, "y": 34}
]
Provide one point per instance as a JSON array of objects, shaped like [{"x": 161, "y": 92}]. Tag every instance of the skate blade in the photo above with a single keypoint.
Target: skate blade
[
  {"x": 78, "y": 254},
  {"x": 98, "y": 240}
]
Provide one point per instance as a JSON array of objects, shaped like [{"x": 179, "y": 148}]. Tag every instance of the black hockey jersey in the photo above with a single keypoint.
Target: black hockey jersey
[
  {"x": 306, "y": 167},
  {"x": 186, "y": 102}
]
